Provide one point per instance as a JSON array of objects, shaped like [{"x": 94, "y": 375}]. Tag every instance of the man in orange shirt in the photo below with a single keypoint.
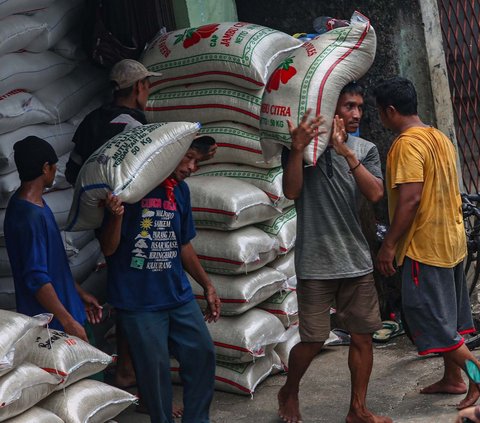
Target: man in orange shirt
[{"x": 426, "y": 236}]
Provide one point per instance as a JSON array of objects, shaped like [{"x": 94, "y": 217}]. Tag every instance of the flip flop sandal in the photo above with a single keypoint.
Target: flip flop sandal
[
  {"x": 390, "y": 329},
  {"x": 338, "y": 337}
]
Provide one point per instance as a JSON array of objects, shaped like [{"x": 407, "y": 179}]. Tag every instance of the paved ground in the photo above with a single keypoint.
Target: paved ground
[{"x": 397, "y": 376}]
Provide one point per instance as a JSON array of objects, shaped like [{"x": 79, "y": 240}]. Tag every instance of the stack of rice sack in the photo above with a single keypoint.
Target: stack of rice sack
[
  {"x": 46, "y": 89},
  {"x": 43, "y": 375},
  {"x": 310, "y": 77},
  {"x": 216, "y": 74}
]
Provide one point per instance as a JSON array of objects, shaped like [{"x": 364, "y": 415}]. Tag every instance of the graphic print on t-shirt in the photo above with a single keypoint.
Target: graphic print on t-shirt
[{"x": 156, "y": 244}]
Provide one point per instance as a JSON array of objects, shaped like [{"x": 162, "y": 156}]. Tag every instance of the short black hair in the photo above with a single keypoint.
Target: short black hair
[
  {"x": 398, "y": 92},
  {"x": 202, "y": 143},
  {"x": 353, "y": 88}
]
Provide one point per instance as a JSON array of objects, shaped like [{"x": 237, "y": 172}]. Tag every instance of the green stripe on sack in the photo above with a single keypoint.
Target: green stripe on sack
[
  {"x": 206, "y": 92},
  {"x": 268, "y": 176},
  {"x": 278, "y": 223},
  {"x": 229, "y": 131}
]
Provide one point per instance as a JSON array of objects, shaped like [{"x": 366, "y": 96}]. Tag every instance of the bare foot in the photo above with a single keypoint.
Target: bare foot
[
  {"x": 444, "y": 387},
  {"x": 288, "y": 407},
  {"x": 365, "y": 416},
  {"x": 471, "y": 398},
  {"x": 177, "y": 411}
]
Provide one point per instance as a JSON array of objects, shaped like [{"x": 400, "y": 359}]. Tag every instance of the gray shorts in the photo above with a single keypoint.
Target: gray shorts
[
  {"x": 436, "y": 306},
  {"x": 356, "y": 301}
]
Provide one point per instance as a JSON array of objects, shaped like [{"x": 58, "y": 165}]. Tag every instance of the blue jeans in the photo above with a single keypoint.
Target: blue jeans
[{"x": 182, "y": 331}]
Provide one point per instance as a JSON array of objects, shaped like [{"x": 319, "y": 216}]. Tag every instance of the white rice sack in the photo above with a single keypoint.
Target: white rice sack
[
  {"x": 268, "y": 180},
  {"x": 96, "y": 284},
  {"x": 59, "y": 137},
  {"x": 130, "y": 165},
  {"x": 88, "y": 401},
  {"x": 239, "y": 53},
  {"x": 66, "y": 357},
  {"x": 231, "y": 253},
  {"x": 5, "y": 269},
  {"x": 31, "y": 71},
  {"x": 283, "y": 348},
  {"x": 286, "y": 264},
  {"x": 85, "y": 261},
  {"x": 95, "y": 103},
  {"x": 242, "y": 292},
  {"x": 18, "y": 109},
  {"x": 17, "y": 31},
  {"x": 242, "y": 338},
  {"x": 225, "y": 203},
  {"x": 284, "y": 305},
  {"x": 75, "y": 241},
  {"x": 22, "y": 388},
  {"x": 15, "y": 326},
  {"x": 60, "y": 17},
  {"x": 205, "y": 102},
  {"x": 70, "y": 46},
  {"x": 9, "y": 7},
  {"x": 7, "y": 289},
  {"x": 35, "y": 415},
  {"x": 312, "y": 77},
  {"x": 238, "y": 378},
  {"x": 237, "y": 143},
  {"x": 8, "y": 185},
  {"x": 283, "y": 228},
  {"x": 66, "y": 96}
]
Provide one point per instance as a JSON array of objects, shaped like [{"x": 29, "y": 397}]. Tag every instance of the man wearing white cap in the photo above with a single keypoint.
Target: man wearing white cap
[{"x": 131, "y": 85}]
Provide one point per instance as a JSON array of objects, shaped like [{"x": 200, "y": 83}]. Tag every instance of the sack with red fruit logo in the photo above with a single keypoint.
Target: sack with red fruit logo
[
  {"x": 312, "y": 78},
  {"x": 236, "y": 52}
]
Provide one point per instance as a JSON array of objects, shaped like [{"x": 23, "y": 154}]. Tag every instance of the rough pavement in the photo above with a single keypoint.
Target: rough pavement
[{"x": 398, "y": 374}]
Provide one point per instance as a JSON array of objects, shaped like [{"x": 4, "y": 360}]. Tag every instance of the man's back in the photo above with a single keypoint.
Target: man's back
[{"x": 96, "y": 129}]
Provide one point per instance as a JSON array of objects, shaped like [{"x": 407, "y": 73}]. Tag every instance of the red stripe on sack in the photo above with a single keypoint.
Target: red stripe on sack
[
  {"x": 467, "y": 331},
  {"x": 196, "y": 75},
  {"x": 220, "y": 259},
  {"x": 231, "y": 382},
  {"x": 13, "y": 92},
  {"x": 203, "y": 106},
  {"x": 272, "y": 196},
  {"x": 324, "y": 81},
  {"x": 442, "y": 350},
  {"x": 275, "y": 311},
  {"x": 223, "y": 300},
  {"x": 231, "y": 347},
  {"x": 415, "y": 269},
  {"x": 239, "y": 147},
  {"x": 55, "y": 371},
  {"x": 283, "y": 249},
  {"x": 217, "y": 211}
]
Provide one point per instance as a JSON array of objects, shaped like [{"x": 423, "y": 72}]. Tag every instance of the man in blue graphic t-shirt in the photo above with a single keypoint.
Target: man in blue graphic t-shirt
[
  {"x": 42, "y": 277},
  {"x": 147, "y": 247}
]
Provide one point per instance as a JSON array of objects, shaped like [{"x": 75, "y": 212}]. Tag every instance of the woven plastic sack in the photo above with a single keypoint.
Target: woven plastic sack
[
  {"x": 85, "y": 261},
  {"x": 58, "y": 136},
  {"x": 312, "y": 77},
  {"x": 66, "y": 357},
  {"x": 238, "y": 378},
  {"x": 242, "y": 338},
  {"x": 70, "y": 46},
  {"x": 75, "y": 241},
  {"x": 237, "y": 143},
  {"x": 17, "y": 31},
  {"x": 225, "y": 204},
  {"x": 268, "y": 180},
  {"x": 205, "y": 102},
  {"x": 96, "y": 284},
  {"x": 88, "y": 401},
  {"x": 231, "y": 253},
  {"x": 286, "y": 264},
  {"x": 130, "y": 165},
  {"x": 66, "y": 96},
  {"x": 283, "y": 348},
  {"x": 283, "y": 228},
  {"x": 16, "y": 327},
  {"x": 22, "y": 388},
  {"x": 239, "y": 53},
  {"x": 243, "y": 292},
  {"x": 7, "y": 293},
  {"x": 283, "y": 305},
  {"x": 32, "y": 71},
  {"x": 10, "y": 7},
  {"x": 35, "y": 415},
  {"x": 60, "y": 17},
  {"x": 18, "y": 109}
]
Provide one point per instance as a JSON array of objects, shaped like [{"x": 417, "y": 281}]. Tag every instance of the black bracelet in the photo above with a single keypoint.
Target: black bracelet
[{"x": 354, "y": 167}]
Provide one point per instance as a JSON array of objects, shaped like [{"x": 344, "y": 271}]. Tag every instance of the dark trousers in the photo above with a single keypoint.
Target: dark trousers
[{"x": 182, "y": 332}]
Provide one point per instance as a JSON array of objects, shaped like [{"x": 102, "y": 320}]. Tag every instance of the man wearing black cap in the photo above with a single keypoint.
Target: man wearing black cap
[{"x": 42, "y": 277}]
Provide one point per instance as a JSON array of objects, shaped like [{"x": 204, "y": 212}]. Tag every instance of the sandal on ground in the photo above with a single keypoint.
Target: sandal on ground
[{"x": 390, "y": 329}]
